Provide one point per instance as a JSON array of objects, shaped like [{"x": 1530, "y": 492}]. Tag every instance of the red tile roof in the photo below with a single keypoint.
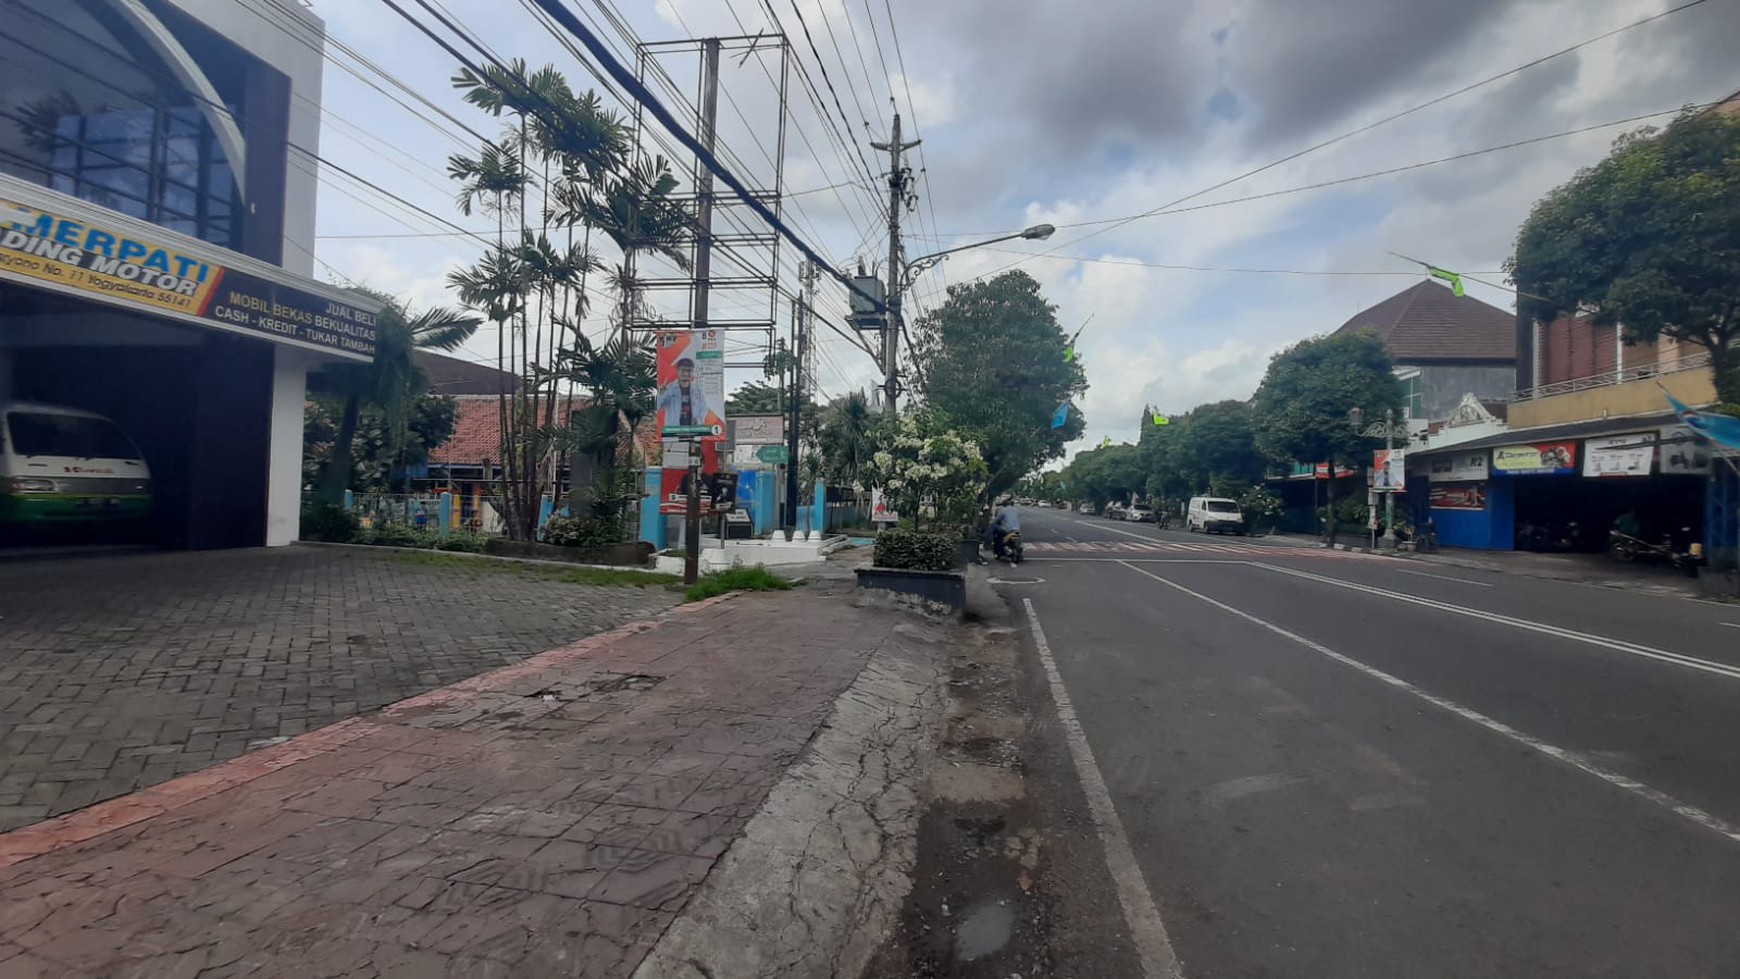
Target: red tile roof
[
  {"x": 1429, "y": 323},
  {"x": 477, "y": 433}
]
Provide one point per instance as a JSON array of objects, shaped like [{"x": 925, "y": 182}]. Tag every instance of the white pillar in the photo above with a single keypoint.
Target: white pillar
[{"x": 284, "y": 473}]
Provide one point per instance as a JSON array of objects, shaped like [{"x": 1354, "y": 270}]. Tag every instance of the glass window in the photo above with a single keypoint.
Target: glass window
[
  {"x": 83, "y": 113},
  {"x": 76, "y": 436}
]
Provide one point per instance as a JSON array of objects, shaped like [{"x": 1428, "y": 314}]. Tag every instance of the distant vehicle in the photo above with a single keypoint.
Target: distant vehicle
[
  {"x": 1043, "y": 504},
  {"x": 1214, "y": 515},
  {"x": 1028, "y": 501},
  {"x": 1139, "y": 514},
  {"x": 1063, "y": 505},
  {"x": 1114, "y": 511},
  {"x": 1085, "y": 508},
  {"x": 61, "y": 466}
]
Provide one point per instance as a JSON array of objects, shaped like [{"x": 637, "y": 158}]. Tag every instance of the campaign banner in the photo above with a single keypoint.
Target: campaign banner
[
  {"x": 143, "y": 273},
  {"x": 691, "y": 377},
  {"x": 1683, "y": 452},
  {"x": 880, "y": 511},
  {"x": 1536, "y": 459},
  {"x": 1458, "y": 496},
  {"x": 1460, "y": 467},
  {"x": 1389, "y": 473},
  {"x": 1619, "y": 455},
  {"x": 718, "y": 486}
]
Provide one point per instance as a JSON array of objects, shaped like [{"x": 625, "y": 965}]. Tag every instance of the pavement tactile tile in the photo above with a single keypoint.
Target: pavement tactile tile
[{"x": 539, "y": 837}]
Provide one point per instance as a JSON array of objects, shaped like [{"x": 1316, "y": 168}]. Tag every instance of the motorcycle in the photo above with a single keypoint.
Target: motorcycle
[
  {"x": 1628, "y": 549},
  {"x": 1011, "y": 552},
  {"x": 1542, "y": 539}
]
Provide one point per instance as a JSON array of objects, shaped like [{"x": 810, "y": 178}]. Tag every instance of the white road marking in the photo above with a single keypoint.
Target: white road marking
[
  {"x": 1732, "y": 625},
  {"x": 1647, "y": 793},
  {"x": 1445, "y": 577},
  {"x": 1147, "y": 931},
  {"x": 1620, "y": 645}
]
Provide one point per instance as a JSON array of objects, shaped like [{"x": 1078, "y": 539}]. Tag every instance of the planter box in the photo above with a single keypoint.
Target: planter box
[
  {"x": 633, "y": 554},
  {"x": 945, "y": 587}
]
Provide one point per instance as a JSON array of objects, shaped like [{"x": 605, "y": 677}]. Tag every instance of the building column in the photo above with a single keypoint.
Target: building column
[{"x": 284, "y": 462}]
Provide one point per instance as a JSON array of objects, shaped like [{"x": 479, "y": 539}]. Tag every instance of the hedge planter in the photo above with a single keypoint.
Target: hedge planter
[
  {"x": 633, "y": 554},
  {"x": 944, "y": 587}
]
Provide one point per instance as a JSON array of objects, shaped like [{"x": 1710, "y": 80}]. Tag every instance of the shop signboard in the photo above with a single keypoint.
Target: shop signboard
[
  {"x": 1619, "y": 455},
  {"x": 1535, "y": 459},
  {"x": 111, "y": 266},
  {"x": 1389, "y": 468},
  {"x": 757, "y": 429},
  {"x": 1458, "y": 496},
  {"x": 1683, "y": 452},
  {"x": 1459, "y": 467},
  {"x": 691, "y": 377}
]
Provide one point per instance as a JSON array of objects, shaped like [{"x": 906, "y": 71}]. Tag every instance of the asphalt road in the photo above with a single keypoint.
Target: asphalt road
[{"x": 1335, "y": 765}]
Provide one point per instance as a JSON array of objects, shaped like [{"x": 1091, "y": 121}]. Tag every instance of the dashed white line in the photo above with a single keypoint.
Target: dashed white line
[
  {"x": 1571, "y": 758},
  {"x": 1147, "y": 931}
]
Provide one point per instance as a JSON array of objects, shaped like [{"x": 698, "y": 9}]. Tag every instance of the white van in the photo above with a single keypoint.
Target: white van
[
  {"x": 62, "y": 466},
  {"x": 1213, "y": 514}
]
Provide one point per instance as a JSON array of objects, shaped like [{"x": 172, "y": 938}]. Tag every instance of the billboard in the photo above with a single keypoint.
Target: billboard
[
  {"x": 1619, "y": 455},
  {"x": 718, "y": 487},
  {"x": 692, "y": 384},
  {"x": 1458, "y": 496},
  {"x": 1536, "y": 459},
  {"x": 1683, "y": 452},
  {"x": 1389, "y": 470},
  {"x": 1459, "y": 468}
]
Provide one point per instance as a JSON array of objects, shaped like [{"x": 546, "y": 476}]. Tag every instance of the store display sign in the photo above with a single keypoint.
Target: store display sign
[
  {"x": 1619, "y": 455},
  {"x": 1458, "y": 496},
  {"x": 1459, "y": 467},
  {"x": 1683, "y": 452},
  {"x": 1536, "y": 459},
  {"x": 143, "y": 273}
]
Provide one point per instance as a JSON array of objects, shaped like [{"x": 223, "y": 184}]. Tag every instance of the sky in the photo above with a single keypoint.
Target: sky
[{"x": 1073, "y": 114}]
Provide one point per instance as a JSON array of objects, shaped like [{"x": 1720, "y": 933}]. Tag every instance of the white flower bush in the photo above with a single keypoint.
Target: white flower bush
[{"x": 937, "y": 467}]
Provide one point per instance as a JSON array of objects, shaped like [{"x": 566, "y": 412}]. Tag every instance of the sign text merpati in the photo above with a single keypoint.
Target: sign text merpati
[{"x": 73, "y": 243}]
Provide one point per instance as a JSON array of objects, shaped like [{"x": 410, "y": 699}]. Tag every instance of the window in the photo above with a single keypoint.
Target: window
[
  {"x": 1413, "y": 402},
  {"x": 85, "y": 110},
  {"x": 74, "y": 436}
]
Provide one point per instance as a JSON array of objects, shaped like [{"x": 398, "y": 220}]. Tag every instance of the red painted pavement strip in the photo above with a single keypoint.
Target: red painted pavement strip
[{"x": 135, "y": 807}]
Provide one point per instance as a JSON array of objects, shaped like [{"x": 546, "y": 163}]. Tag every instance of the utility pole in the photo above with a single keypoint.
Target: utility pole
[
  {"x": 794, "y": 417},
  {"x": 898, "y": 179},
  {"x": 703, "y": 281}
]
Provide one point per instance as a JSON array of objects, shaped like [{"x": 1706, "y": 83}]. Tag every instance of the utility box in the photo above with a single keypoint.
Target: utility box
[{"x": 871, "y": 313}]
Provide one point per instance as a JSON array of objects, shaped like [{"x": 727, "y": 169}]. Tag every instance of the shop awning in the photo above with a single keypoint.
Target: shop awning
[
  {"x": 51, "y": 241},
  {"x": 1554, "y": 433}
]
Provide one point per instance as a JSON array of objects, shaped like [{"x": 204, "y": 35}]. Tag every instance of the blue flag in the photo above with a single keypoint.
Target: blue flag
[
  {"x": 1724, "y": 430},
  {"x": 1060, "y": 417}
]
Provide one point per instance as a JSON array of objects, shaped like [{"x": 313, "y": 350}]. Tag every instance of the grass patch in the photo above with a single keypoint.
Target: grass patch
[
  {"x": 479, "y": 566},
  {"x": 734, "y": 579}
]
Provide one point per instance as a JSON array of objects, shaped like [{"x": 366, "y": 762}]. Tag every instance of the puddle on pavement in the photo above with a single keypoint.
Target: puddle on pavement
[{"x": 985, "y": 928}]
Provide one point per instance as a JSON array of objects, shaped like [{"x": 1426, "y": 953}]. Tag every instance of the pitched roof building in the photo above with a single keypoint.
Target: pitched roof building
[{"x": 1445, "y": 346}]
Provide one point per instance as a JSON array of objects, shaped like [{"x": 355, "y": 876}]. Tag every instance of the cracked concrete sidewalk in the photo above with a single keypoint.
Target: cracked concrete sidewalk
[{"x": 552, "y": 818}]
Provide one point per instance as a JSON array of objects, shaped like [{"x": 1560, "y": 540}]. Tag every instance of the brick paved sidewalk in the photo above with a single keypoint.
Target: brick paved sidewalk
[
  {"x": 118, "y": 673},
  {"x": 547, "y": 819}
]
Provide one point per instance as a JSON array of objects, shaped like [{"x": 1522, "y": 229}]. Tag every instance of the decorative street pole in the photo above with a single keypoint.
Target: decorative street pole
[{"x": 1389, "y": 430}]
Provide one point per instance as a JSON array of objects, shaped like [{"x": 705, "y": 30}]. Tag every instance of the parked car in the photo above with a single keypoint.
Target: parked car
[
  {"x": 1114, "y": 511},
  {"x": 1139, "y": 514},
  {"x": 1214, "y": 515},
  {"x": 1043, "y": 504},
  {"x": 64, "y": 466},
  {"x": 1085, "y": 508}
]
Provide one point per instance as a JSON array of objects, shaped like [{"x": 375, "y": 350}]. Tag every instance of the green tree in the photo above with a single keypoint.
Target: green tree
[
  {"x": 846, "y": 438},
  {"x": 393, "y": 384},
  {"x": 1103, "y": 475},
  {"x": 376, "y": 465},
  {"x": 1300, "y": 411},
  {"x": 991, "y": 359},
  {"x": 1220, "y": 443},
  {"x": 1648, "y": 238}
]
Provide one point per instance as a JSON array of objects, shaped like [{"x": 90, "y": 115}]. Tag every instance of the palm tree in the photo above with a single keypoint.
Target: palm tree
[
  {"x": 848, "y": 437},
  {"x": 392, "y": 382}
]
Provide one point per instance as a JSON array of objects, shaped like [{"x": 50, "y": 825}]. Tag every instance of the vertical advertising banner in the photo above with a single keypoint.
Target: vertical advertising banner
[
  {"x": 1389, "y": 470},
  {"x": 692, "y": 384}
]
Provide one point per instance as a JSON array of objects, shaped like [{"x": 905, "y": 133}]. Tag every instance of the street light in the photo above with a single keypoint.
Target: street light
[
  {"x": 1389, "y": 430},
  {"x": 917, "y": 266}
]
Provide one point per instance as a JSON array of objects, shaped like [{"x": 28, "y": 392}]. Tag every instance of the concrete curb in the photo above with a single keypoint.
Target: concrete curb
[
  {"x": 395, "y": 549},
  {"x": 105, "y": 817}
]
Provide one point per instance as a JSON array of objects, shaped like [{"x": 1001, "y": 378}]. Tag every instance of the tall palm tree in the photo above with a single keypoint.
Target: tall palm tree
[
  {"x": 392, "y": 382},
  {"x": 848, "y": 437}
]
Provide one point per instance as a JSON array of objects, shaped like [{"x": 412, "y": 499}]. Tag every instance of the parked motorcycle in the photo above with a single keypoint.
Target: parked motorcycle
[
  {"x": 1629, "y": 549},
  {"x": 1012, "y": 552},
  {"x": 1543, "y": 539}
]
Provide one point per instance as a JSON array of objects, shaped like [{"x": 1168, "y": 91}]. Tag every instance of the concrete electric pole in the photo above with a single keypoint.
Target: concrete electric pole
[{"x": 898, "y": 180}]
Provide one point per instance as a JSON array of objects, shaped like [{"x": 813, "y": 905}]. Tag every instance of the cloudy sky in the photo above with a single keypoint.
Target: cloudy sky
[{"x": 1079, "y": 114}]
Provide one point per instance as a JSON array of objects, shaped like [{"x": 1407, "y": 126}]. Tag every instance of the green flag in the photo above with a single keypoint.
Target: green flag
[
  {"x": 1450, "y": 277},
  {"x": 1106, "y": 442},
  {"x": 1069, "y": 353},
  {"x": 1160, "y": 419}
]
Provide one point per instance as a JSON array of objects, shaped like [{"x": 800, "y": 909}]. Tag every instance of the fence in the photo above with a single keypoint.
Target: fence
[
  {"x": 1691, "y": 362},
  {"x": 442, "y": 511}
]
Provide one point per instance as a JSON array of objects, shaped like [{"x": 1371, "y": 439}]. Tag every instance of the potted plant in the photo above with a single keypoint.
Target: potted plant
[{"x": 921, "y": 464}]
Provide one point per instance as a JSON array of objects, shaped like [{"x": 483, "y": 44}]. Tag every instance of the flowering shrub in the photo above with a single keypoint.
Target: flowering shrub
[{"x": 917, "y": 465}]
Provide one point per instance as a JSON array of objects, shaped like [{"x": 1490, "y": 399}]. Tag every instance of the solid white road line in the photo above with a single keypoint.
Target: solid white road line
[
  {"x": 1619, "y": 645},
  {"x": 1571, "y": 758},
  {"x": 1445, "y": 577},
  {"x": 1147, "y": 931},
  {"x": 1732, "y": 625}
]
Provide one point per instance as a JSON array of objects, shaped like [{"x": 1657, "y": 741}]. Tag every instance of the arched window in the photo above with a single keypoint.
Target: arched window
[{"x": 88, "y": 108}]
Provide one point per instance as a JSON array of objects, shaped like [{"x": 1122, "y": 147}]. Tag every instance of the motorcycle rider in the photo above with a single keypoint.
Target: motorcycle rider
[{"x": 1006, "y": 522}]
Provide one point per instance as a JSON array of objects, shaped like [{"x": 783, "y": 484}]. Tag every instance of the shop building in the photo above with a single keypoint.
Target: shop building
[{"x": 157, "y": 207}]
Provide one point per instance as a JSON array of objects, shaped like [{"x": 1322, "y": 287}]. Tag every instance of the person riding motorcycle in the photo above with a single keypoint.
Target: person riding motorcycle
[{"x": 1006, "y": 522}]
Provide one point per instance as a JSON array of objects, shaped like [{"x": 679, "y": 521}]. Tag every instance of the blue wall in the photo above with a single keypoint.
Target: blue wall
[{"x": 1491, "y": 529}]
